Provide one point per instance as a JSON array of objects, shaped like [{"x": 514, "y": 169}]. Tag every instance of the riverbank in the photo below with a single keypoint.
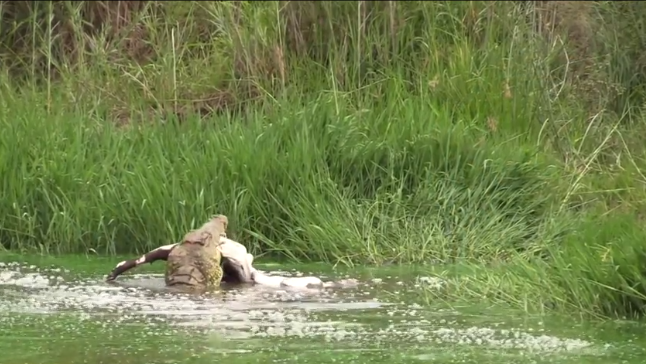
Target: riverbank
[{"x": 448, "y": 149}]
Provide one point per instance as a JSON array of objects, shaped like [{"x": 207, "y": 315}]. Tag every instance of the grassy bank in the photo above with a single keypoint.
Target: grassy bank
[{"x": 504, "y": 135}]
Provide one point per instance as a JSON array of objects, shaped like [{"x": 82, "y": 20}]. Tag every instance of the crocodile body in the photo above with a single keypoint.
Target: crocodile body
[{"x": 195, "y": 261}]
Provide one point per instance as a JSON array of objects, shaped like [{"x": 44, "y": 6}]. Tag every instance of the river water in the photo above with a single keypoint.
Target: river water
[{"x": 64, "y": 312}]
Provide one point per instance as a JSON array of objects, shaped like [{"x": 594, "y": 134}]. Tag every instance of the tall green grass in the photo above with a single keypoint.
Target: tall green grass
[
  {"x": 328, "y": 188},
  {"x": 427, "y": 132}
]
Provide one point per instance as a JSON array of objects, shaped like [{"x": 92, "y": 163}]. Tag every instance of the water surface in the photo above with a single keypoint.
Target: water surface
[{"x": 56, "y": 310}]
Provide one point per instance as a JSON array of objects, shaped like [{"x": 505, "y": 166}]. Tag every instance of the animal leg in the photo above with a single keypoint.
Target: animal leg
[{"x": 160, "y": 253}]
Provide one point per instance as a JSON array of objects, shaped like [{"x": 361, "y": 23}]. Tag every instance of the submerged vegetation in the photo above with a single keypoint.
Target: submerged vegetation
[{"x": 504, "y": 135}]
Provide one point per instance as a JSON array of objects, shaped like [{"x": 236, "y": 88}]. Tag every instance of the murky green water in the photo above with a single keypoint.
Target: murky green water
[{"x": 50, "y": 315}]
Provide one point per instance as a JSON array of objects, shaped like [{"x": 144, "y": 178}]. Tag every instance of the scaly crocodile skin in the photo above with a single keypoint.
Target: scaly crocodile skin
[{"x": 195, "y": 262}]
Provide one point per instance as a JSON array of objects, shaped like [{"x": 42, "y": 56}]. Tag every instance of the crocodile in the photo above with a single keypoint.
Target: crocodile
[
  {"x": 202, "y": 260},
  {"x": 224, "y": 261}
]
